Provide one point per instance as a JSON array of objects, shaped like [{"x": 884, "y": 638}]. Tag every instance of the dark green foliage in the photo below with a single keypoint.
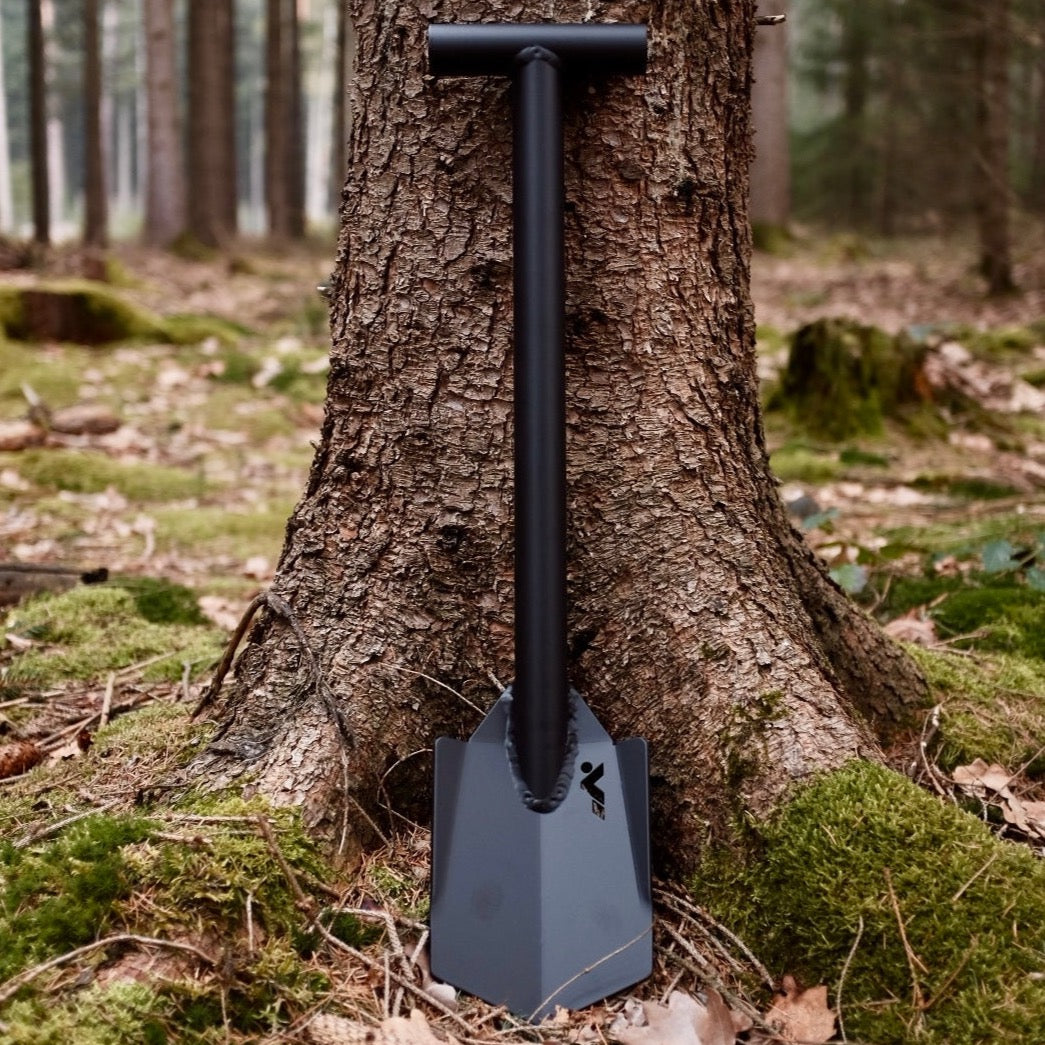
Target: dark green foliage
[
  {"x": 163, "y": 602},
  {"x": 973, "y": 909},
  {"x": 843, "y": 379},
  {"x": 1011, "y": 616},
  {"x": 63, "y": 894}
]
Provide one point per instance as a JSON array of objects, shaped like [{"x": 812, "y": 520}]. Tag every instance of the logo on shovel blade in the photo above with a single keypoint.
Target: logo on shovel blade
[{"x": 590, "y": 783}]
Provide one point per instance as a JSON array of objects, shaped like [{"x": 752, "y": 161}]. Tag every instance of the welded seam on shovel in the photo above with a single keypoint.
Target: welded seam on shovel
[{"x": 565, "y": 777}]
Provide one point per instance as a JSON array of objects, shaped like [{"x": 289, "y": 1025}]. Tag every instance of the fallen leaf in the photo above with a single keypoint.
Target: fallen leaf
[
  {"x": 979, "y": 774},
  {"x": 18, "y": 758},
  {"x": 683, "y": 1021},
  {"x": 801, "y": 1015},
  {"x": 912, "y": 628},
  {"x": 18, "y": 435},
  {"x": 84, "y": 419}
]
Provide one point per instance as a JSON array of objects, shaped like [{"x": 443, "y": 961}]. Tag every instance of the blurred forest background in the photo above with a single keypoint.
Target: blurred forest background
[{"x": 891, "y": 117}]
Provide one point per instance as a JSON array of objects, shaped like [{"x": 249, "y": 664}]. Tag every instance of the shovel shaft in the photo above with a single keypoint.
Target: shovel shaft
[{"x": 540, "y": 708}]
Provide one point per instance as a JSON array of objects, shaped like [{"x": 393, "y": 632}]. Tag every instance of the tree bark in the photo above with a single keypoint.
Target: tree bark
[
  {"x": 95, "y": 231},
  {"x": 993, "y": 188},
  {"x": 39, "y": 174},
  {"x": 771, "y": 165},
  {"x": 212, "y": 123},
  {"x": 698, "y": 617},
  {"x": 165, "y": 200}
]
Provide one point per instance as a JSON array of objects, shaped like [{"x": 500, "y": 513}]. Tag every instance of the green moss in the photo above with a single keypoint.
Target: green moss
[
  {"x": 998, "y": 344},
  {"x": 843, "y": 379},
  {"x": 1009, "y": 615},
  {"x": 798, "y": 463},
  {"x": 238, "y": 368},
  {"x": 973, "y": 909},
  {"x": 55, "y": 380},
  {"x": 90, "y": 630},
  {"x": 161, "y": 601},
  {"x": 993, "y": 707},
  {"x": 772, "y": 238},
  {"x": 115, "y": 1015},
  {"x": 964, "y": 486},
  {"x": 62, "y": 895},
  {"x": 85, "y": 471},
  {"x": 185, "y": 329},
  {"x": 244, "y": 534}
]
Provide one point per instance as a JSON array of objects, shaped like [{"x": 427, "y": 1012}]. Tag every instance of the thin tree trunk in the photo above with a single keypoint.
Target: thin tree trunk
[
  {"x": 345, "y": 55},
  {"x": 165, "y": 201},
  {"x": 771, "y": 167},
  {"x": 95, "y": 231},
  {"x": 6, "y": 196},
  {"x": 212, "y": 122},
  {"x": 994, "y": 194},
  {"x": 41, "y": 185},
  {"x": 698, "y": 616},
  {"x": 284, "y": 167},
  {"x": 1036, "y": 199}
]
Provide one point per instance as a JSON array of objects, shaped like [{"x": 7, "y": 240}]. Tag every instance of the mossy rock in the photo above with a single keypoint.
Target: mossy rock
[
  {"x": 815, "y": 894},
  {"x": 844, "y": 379}
]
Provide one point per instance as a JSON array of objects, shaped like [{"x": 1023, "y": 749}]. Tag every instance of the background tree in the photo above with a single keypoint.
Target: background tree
[
  {"x": 211, "y": 124},
  {"x": 699, "y": 618},
  {"x": 165, "y": 201},
  {"x": 41, "y": 186},
  {"x": 284, "y": 166},
  {"x": 6, "y": 196},
  {"x": 95, "y": 201},
  {"x": 341, "y": 122},
  {"x": 771, "y": 166}
]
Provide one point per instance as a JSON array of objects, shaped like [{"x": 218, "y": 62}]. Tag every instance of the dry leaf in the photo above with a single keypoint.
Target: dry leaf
[
  {"x": 683, "y": 1021},
  {"x": 912, "y": 628},
  {"x": 18, "y": 435},
  {"x": 84, "y": 419},
  {"x": 802, "y": 1015},
  {"x": 337, "y": 1030},
  {"x": 18, "y": 758},
  {"x": 980, "y": 774}
]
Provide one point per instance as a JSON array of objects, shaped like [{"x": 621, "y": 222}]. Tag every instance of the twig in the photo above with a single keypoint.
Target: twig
[
  {"x": 302, "y": 899},
  {"x": 9, "y": 989},
  {"x": 912, "y": 959},
  {"x": 110, "y": 686},
  {"x": 961, "y": 892},
  {"x": 52, "y": 829},
  {"x": 842, "y": 976},
  {"x": 211, "y": 692},
  {"x": 436, "y": 682}
]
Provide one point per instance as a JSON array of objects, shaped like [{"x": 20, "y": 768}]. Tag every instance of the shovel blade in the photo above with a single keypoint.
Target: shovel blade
[{"x": 536, "y": 910}]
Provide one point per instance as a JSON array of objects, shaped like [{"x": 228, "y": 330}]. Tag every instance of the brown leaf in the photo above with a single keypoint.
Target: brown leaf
[
  {"x": 683, "y": 1021},
  {"x": 84, "y": 419},
  {"x": 18, "y": 435},
  {"x": 802, "y": 1015},
  {"x": 912, "y": 628},
  {"x": 18, "y": 758},
  {"x": 980, "y": 774}
]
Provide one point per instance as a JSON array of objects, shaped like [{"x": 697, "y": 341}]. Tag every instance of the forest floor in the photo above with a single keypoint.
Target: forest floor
[{"x": 175, "y": 473}]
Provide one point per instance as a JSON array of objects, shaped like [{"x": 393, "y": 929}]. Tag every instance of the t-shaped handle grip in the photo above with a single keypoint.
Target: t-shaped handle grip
[
  {"x": 538, "y": 57},
  {"x": 491, "y": 49}
]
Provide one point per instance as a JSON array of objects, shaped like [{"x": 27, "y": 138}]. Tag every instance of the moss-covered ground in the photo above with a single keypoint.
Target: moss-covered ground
[{"x": 921, "y": 911}]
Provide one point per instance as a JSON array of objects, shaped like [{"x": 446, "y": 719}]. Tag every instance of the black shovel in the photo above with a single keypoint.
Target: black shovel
[{"x": 540, "y": 837}]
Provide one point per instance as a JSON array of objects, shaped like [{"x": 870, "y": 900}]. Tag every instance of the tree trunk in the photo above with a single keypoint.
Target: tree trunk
[
  {"x": 342, "y": 122},
  {"x": 992, "y": 152},
  {"x": 165, "y": 202},
  {"x": 212, "y": 123},
  {"x": 284, "y": 166},
  {"x": 95, "y": 231},
  {"x": 1036, "y": 196},
  {"x": 771, "y": 165},
  {"x": 41, "y": 186},
  {"x": 698, "y": 617},
  {"x": 6, "y": 196}
]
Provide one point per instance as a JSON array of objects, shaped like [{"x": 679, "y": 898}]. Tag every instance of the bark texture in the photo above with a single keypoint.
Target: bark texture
[{"x": 698, "y": 618}]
